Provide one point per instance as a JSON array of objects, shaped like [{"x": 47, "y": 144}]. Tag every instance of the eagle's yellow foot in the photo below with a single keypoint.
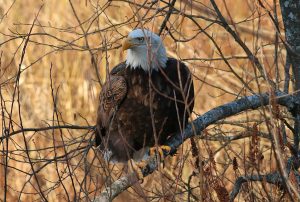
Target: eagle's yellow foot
[
  {"x": 160, "y": 149},
  {"x": 137, "y": 168}
]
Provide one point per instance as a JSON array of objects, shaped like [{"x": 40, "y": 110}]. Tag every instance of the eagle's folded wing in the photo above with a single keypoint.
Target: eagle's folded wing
[{"x": 112, "y": 94}]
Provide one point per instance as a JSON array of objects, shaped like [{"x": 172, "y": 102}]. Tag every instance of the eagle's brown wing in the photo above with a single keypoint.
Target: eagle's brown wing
[{"x": 112, "y": 94}]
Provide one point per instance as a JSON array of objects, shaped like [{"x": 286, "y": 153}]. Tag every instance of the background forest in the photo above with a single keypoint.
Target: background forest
[{"x": 54, "y": 56}]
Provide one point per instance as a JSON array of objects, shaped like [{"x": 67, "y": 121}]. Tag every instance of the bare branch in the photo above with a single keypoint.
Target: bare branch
[
  {"x": 249, "y": 102},
  {"x": 23, "y": 130}
]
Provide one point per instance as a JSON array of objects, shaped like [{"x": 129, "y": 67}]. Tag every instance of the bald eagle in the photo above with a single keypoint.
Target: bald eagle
[{"x": 145, "y": 100}]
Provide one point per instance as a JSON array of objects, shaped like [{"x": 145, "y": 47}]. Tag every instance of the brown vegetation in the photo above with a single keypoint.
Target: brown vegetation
[{"x": 54, "y": 55}]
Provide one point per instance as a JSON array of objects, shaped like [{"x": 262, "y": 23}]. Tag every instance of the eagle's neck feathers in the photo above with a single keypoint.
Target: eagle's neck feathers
[{"x": 140, "y": 57}]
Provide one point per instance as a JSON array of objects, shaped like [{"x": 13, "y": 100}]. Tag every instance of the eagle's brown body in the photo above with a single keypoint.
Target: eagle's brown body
[{"x": 138, "y": 108}]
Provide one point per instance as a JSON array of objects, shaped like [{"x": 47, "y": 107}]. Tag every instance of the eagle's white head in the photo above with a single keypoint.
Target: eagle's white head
[{"x": 145, "y": 50}]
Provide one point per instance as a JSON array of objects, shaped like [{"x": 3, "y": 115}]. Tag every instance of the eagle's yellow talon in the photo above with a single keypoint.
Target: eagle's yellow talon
[
  {"x": 160, "y": 150},
  {"x": 137, "y": 168},
  {"x": 166, "y": 148}
]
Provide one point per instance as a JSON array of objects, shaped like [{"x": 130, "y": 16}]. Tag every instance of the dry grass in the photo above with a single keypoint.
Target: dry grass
[{"x": 75, "y": 81}]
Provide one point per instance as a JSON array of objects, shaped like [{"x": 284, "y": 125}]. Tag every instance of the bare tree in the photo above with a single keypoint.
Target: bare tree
[{"x": 241, "y": 144}]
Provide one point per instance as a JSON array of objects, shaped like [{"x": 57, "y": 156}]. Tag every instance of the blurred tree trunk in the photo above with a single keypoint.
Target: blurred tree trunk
[{"x": 291, "y": 19}]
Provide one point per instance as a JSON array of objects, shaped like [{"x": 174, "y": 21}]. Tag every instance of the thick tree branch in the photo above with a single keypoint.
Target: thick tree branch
[
  {"x": 249, "y": 102},
  {"x": 272, "y": 178}
]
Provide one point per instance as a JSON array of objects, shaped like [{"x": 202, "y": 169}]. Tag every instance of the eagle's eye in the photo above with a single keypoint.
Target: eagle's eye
[{"x": 140, "y": 39}]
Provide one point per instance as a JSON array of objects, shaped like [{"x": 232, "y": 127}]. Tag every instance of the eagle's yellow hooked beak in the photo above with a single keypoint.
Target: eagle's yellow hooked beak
[{"x": 127, "y": 44}]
